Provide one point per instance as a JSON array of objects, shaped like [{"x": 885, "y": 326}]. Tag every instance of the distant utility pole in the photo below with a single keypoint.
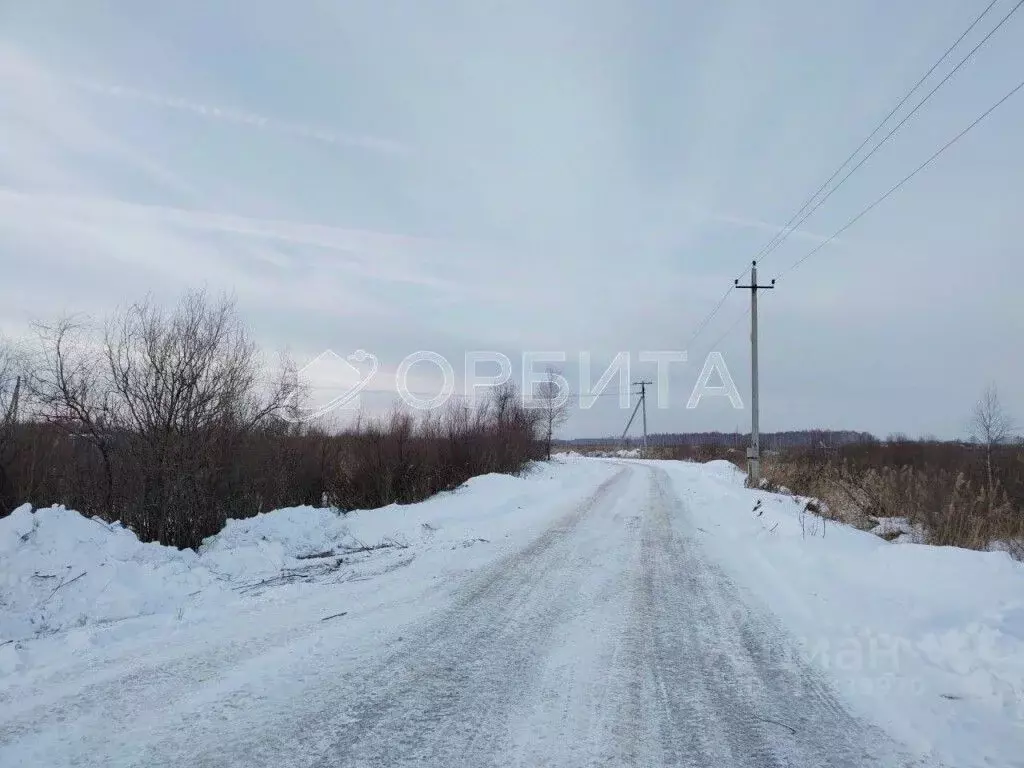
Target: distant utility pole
[
  {"x": 754, "y": 451},
  {"x": 640, "y": 406}
]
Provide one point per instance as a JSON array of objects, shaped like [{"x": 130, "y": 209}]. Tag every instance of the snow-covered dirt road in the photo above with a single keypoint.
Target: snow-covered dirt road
[
  {"x": 590, "y": 613},
  {"x": 608, "y": 641},
  {"x": 605, "y": 638}
]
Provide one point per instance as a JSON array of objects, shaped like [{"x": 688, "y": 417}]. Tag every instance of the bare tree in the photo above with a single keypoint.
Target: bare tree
[
  {"x": 552, "y": 398},
  {"x": 71, "y": 391},
  {"x": 188, "y": 388},
  {"x": 188, "y": 369},
  {"x": 991, "y": 426}
]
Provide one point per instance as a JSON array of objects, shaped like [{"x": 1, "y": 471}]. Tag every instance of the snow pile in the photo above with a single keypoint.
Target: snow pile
[
  {"x": 926, "y": 641},
  {"x": 725, "y": 471},
  {"x": 621, "y": 453},
  {"x": 267, "y": 545},
  {"x": 59, "y": 569}
]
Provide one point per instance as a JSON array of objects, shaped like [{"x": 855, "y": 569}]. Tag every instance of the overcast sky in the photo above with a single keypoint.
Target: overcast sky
[{"x": 583, "y": 175}]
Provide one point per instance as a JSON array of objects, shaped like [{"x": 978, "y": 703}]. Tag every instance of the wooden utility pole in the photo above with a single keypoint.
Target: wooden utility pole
[{"x": 754, "y": 451}]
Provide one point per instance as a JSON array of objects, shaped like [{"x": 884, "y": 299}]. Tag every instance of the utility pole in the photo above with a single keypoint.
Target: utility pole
[
  {"x": 640, "y": 406},
  {"x": 643, "y": 406},
  {"x": 754, "y": 451}
]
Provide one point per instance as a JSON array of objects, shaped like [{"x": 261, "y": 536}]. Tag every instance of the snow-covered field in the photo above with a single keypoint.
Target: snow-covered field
[{"x": 110, "y": 648}]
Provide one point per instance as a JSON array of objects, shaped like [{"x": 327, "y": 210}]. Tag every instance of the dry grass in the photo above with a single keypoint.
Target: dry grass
[{"x": 948, "y": 496}]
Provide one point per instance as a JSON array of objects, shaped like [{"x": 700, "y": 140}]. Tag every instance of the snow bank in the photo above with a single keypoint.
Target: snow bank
[
  {"x": 726, "y": 471},
  {"x": 59, "y": 569},
  {"x": 621, "y": 453},
  {"x": 264, "y": 546},
  {"x": 926, "y": 641}
]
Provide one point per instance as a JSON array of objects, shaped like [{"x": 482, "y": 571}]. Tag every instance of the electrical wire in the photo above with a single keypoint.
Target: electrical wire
[
  {"x": 768, "y": 249},
  {"x": 790, "y": 226},
  {"x": 903, "y": 181}
]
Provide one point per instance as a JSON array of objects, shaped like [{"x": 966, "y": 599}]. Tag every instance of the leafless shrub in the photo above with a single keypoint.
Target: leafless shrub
[
  {"x": 161, "y": 420},
  {"x": 401, "y": 460},
  {"x": 187, "y": 395}
]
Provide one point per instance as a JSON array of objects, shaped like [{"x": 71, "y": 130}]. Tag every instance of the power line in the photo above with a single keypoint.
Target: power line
[
  {"x": 717, "y": 308},
  {"x": 728, "y": 331},
  {"x": 708, "y": 318},
  {"x": 790, "y": 226},
  {"x": 765, "y": 251},
  {"x": 905, "y": 179}
]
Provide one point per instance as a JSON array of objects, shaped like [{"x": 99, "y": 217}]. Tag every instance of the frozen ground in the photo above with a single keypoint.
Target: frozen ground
[{"x": 592, "y": 613}]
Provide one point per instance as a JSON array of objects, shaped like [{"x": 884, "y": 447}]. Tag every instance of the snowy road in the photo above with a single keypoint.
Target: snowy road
[
  {"x": 606, "y": 639},
  {"x": 610, "y": 642}
]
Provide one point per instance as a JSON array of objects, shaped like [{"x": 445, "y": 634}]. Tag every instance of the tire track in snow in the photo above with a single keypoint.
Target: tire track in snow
[
  {"x": 731, "y": 688},
  {"x": 465, "y": 673},
  {"x": 443, "y": 699}
]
